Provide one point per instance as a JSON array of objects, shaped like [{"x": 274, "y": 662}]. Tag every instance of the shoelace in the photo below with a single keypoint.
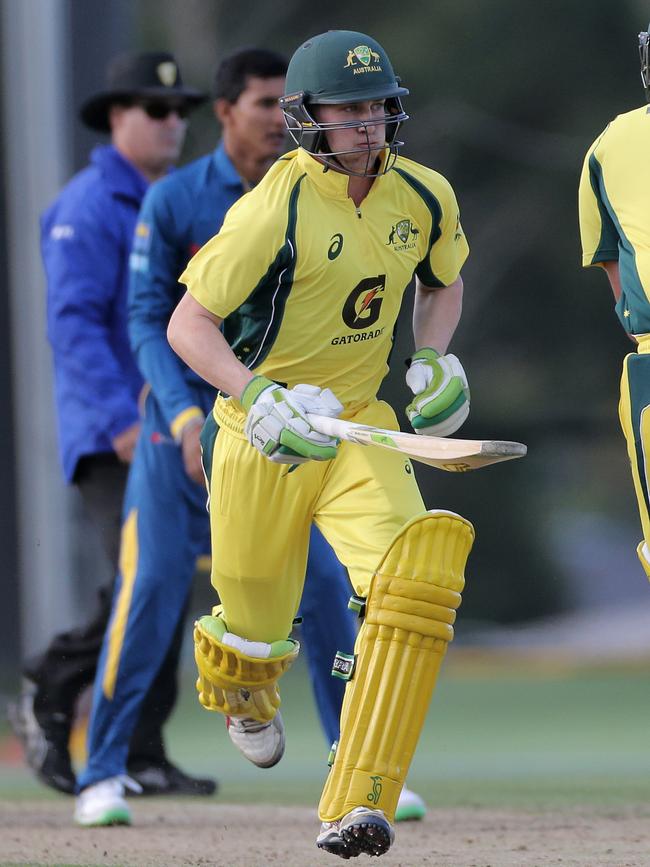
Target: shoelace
[{"x": 248, "y": 725}]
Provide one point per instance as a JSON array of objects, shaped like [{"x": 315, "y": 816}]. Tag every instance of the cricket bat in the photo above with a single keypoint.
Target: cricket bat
[{"x": 445, "y": 453}]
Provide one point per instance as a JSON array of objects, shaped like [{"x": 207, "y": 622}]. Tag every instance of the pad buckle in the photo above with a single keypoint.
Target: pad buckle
[
  {"x": 358, "y": 604},
  {"x": 343, "y": 666}
]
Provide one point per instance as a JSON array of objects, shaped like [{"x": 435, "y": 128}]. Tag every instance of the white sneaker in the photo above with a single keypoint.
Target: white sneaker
[
  {"x": 261, "y": 743},
  {"x": 104, "y": 803},
  {"x": 410, "y": 806}
]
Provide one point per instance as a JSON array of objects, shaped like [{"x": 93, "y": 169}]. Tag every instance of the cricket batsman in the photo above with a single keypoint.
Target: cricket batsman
[
  {"x": 290, "y": 309},
  {"x": 615, "y": 233}
]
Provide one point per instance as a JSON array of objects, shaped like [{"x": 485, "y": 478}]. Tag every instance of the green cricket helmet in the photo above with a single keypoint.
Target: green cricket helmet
[
  {"x": 644, "y": 46},
  {"x": 337, "y": 68}
]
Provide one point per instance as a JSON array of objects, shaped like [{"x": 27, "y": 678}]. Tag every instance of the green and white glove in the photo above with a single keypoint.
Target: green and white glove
[
  {"x": 277, "y": 425},
  {"x": 441, "y": 402}
]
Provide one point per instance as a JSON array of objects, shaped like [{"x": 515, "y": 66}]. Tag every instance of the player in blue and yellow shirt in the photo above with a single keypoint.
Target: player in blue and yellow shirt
[
  {"x": 615, "y": 233},
  {"x": 306, "y": 277}
]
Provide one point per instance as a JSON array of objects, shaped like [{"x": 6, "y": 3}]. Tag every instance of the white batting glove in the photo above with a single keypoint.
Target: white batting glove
[
  {"x": 441, "y": 402},
  {"x": 277, "y": 424}
]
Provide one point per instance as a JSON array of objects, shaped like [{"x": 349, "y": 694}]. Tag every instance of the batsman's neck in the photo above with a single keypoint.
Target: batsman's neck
[{"x": 359, "y": 187}]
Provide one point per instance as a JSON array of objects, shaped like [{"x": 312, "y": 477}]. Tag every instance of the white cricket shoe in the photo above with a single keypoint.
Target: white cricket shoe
[
  {"x": 261, "y": 743},
  {"x": 410, "y": 806},
  {"x": 365, "y": 830},
  {"x": 104, "y": 803},
  {"x": 329, "y": 839}
]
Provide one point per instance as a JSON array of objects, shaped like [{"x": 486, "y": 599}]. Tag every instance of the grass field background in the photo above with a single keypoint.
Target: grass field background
[{"x": 499, "y": 733}]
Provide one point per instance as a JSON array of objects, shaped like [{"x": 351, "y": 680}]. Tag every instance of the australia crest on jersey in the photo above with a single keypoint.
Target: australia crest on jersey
[{"x": 403, "y": 235}]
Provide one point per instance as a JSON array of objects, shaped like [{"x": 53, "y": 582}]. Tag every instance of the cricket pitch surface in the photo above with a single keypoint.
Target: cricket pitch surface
[{"x": 169, "y": 832}]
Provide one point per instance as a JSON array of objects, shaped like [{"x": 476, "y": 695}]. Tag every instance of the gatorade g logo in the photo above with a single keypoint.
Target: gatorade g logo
[
  {"x": 335, "y": 247},
  {"x": 361, "y": 309},
  {"x": 375, "y": 795}
]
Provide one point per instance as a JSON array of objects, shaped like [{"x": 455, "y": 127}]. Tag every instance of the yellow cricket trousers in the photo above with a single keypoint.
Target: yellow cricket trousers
[{"x": 261, "y": 514}]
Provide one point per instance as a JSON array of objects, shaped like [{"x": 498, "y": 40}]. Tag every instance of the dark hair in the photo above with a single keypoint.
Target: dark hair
[{"x": 234, "y": 71}]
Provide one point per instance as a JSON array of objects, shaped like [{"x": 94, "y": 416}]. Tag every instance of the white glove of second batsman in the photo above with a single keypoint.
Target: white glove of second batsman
[
  {"x": 441, "y": 402},
  {"x": 277, "y": 425}
]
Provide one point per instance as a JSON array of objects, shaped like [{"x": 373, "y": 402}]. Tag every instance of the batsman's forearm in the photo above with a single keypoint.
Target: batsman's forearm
[
  {"x": 197, "y": 339},
  {"x": 436, "y": 314}
]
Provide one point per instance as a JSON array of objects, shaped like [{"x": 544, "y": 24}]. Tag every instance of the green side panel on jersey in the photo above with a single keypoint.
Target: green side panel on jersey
[
  {"x": 607, "y": 249},
  {"x": 208, "y": 436},
  {"x": 638, "y": 372},
  {"x": 633, "y": 307},
  {"x": 423, "y": 271},
  {"x": 251, "y": 330}
]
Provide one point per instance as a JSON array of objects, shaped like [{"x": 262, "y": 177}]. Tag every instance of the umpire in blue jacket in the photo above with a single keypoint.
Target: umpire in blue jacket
[{"x": 86, "y": 241}]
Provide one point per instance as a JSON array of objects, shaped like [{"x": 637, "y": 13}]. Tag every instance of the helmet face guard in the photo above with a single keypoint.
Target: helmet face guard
[
  {"x": 644, "y": 45},
  {"x": 310, "y": 134}
]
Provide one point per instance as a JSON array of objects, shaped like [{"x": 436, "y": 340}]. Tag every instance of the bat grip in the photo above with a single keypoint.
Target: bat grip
[{"x": 331, "y": 427}]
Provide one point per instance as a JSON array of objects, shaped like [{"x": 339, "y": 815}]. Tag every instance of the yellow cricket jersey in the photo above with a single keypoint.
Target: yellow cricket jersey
[
  {"x": 309, "y": 286},
  {"x": 614, "y": 211}
]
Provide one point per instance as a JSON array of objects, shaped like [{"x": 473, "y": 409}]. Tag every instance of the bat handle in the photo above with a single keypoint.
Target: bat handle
[{"x": 331, "y": 427}]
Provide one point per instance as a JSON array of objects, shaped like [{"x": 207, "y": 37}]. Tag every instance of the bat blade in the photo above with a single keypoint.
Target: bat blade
[{"x": 444, "y": 453}]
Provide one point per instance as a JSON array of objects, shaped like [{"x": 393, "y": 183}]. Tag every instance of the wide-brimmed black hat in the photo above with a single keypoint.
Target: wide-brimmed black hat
[{"x": 149, "y": 75}]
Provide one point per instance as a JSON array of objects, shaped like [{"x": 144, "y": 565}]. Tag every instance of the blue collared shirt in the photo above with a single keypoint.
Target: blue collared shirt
[{"x": 179, "y": 214}]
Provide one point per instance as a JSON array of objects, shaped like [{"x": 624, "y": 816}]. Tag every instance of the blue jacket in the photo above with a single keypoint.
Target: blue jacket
[
  {"x": 179, "y": 214},
  {"x": 86, "y": 237}
]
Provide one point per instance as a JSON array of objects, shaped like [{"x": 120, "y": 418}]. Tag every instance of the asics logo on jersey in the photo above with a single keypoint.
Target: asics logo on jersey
[
  {"x": 336, "y": 245},
  {"x": 363, "y": 304}
]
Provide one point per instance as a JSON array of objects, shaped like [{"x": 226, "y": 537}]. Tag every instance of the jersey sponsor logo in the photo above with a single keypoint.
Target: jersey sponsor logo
[
  {"x": 335, "y": 247},
  {"x": 62, "y": 232},
  {"x": 142, "y": 238},
  {"x": 403, "y": 235},
  {"x": 362, "y": 59},
  {"x": 159, "y": 439},
  {"x": 358, "y": 337},
  {"x": 139, "y": 263},
  {"x": 363, "y": 304}
]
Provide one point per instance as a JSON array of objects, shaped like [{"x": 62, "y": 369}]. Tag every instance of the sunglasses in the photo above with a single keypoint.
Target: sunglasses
[{"x": 158, "y": 110}]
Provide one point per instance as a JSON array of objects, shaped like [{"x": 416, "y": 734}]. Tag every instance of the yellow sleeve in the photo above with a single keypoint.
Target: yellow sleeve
[
  {"x": 449, "y": 249},
  {"x": 598, "y": 233},
  {"x": 224, "y": 272}
]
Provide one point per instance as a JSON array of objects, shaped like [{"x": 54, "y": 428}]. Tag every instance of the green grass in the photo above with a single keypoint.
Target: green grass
[{"x": 517, "y": 738}]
